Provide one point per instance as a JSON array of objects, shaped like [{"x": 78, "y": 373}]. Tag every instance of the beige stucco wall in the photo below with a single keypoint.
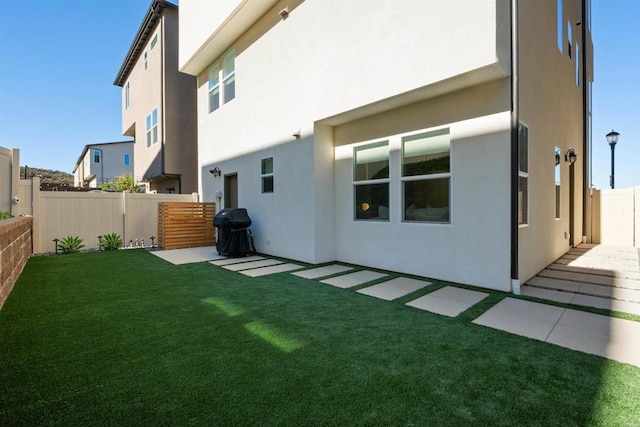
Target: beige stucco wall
[
  {"x": 551, "y": 106},
  {"x": 180, "y": 117}
]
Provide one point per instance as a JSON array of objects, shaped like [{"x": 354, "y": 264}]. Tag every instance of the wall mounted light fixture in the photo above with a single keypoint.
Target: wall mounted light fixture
[
  {"x": 215, "y": 172},
  {"x": 570, "y": 156}
]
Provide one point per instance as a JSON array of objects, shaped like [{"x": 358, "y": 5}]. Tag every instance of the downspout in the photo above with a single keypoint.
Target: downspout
[
  {"x": 515, "y": 119},
  {"x": 586, "y": 137}
]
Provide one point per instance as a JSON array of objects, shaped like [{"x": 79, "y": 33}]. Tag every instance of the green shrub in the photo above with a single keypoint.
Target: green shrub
[
  {"x": 70, "y": 245},
  {"x": 5, "y": 215},
  {"x": 111, "y": 241}
]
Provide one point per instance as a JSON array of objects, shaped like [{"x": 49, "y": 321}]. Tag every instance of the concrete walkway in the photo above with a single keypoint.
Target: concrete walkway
[
  {"x": 612, "y": 338},
  {"x": 594, "y": 276}
]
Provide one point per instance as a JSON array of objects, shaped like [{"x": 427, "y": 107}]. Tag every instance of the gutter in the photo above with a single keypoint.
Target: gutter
[{"x": 515, "y": 119}]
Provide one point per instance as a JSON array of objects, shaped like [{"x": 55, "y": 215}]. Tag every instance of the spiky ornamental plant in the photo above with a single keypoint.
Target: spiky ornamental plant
[
  {"x": 70, "y": 245},
  {"x": 111, "y": 241}
]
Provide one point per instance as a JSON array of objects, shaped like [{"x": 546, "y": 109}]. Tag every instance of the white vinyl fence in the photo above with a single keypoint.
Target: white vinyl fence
[
  {"x": 616, "y": 217},
  {"x": 58, "y": 214}
]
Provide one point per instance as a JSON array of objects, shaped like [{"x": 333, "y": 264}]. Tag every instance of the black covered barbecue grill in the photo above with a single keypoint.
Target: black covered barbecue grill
[{"x": 233, "y": 237}]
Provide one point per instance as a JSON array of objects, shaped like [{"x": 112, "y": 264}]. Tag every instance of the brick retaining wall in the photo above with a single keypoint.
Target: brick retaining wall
[{"x": 16, "y": 246}]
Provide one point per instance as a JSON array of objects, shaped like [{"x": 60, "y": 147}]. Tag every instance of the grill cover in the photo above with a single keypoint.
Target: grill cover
[{"x": 233, "y": 236}]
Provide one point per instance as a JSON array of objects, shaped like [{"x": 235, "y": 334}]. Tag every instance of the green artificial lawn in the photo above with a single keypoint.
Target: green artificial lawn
[{"x": 125, "y": 338}]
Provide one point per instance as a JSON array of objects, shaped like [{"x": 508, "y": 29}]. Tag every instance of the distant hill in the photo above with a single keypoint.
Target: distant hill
[{"x": 47, "y": 175}]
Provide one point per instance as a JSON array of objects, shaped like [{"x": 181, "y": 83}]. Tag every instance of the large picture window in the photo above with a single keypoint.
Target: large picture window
[
  {"x": 371, "y": 181},
  {"x": 226, "y": 73},
  {"x": 426, "y": 176}
]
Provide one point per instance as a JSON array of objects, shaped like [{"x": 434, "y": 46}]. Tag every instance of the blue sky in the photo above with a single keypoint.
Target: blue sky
[{"x": 58, "y": 61}]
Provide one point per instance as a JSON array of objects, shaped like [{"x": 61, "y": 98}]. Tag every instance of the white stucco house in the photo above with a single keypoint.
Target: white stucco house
[
  {"x": 446, "y": 138},
  {"x": 102, "y": 162}
]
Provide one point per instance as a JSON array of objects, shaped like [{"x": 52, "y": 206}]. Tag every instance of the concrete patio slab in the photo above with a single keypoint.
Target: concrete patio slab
[
  {"x": 229, "y": 261},
  {"x": 327, "y": 270},
  {"x": 264, "y": 271},
  {"x": 448, "y": 301},
  {"x": 188, "y": 255},
  {"x": 525, "y": 318},
  {"x": 394, "y": 288},
  {"x": 353, "y": 279},
  {"x": 250, "y": 265}
]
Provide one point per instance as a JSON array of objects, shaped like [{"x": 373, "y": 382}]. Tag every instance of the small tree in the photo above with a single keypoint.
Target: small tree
[{"x": 124, "y": 182}]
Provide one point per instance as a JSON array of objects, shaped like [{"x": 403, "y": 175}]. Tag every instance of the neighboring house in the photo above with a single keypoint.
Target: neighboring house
[
  {"x": 103, "y": 162},
  {"x": 425, "y": 137},
  {"x": 159, "y": 105}
]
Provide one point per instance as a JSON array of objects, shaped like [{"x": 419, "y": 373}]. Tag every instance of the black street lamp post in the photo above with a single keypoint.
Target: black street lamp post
[{"x": 612, "y": 139}]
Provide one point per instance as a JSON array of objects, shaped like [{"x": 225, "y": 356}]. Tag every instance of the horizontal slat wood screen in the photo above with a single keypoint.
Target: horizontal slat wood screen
[{"x": 186, "y": 224}]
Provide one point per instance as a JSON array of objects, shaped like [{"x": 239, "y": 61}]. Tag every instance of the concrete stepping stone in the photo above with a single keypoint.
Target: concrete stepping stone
[
  {"x": 547, "y": 282},
  {"x": 604, "y": 336},
  {"x": 448, "y": 301},
  {"x": 606, "y": 303},
  {"x": 591, "y": 333},
  {"x": 610, "y": 292},
  {"x": 229, "y": 261},
  {"x": 524, "y": 318},
  {"x": 264, "y": 271},
  {"x": 394, "y": 288},
  {"x": 548, "y": 294},
  {"x": 327, "y": 270},
  {"x": 563, "y": 275},
  {"x": 353, "y": 279},
  {"x": 254, "y": 264}
]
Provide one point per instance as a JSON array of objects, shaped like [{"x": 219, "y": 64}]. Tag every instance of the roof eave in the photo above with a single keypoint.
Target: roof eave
[{"x": 148, "y": 23}]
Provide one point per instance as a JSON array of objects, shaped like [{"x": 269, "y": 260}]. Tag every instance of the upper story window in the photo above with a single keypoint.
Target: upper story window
[
  {"x": 126, "y": 159},
  {"x": 222, "y": 80},
  {"x": 127, "y": 96},
  {"x": 267, "y": 175},
  {"x": 96, "y": 156},
  {"x": 560, "y": 26},
  {"x": 371, "y": 181},
  {"x": 569, "y": 39},
  {"x": 154, "y": 41},
  {"x": 145, "y": 59},
  {"x": 577, "y": 65},
  {"x": 557, "y": 173},
  {"x": 426, "y": 176},
  {"x": 152, "y": 127}
]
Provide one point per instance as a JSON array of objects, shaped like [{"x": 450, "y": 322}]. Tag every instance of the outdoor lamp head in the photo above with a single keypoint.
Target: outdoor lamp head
[{"x": 612, "y": 137}]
